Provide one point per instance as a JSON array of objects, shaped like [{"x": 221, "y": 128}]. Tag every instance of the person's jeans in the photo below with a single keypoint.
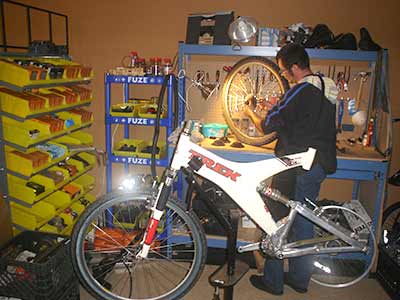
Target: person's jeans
[{"x": 308, "y": 185}]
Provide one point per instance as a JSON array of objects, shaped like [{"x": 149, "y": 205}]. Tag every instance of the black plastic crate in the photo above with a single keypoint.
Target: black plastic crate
[
  {"x": 388, "y": 270},
  {"x": 69, "y": 292},
  {"x": 40, "y": 277}
]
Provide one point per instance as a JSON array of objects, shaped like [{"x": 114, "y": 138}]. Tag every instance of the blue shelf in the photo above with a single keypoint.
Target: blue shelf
[
  {"x": 135, "y": 121},
  {"x": 133, "y": 79},
  {"x": 126, "y": 83},
  {"x": 329, "y": 54},
  {"x": 134, "y": 160}
]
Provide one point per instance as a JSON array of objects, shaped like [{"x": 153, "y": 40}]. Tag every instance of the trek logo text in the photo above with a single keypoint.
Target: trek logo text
[{"x": 216, "y": 167}]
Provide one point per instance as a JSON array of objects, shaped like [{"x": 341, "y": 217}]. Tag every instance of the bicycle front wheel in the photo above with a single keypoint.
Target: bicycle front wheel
[
  {"x": 343, "y": 269},
  {"x": 107, "y": 238},
  {"x": 255, "y": 80}
]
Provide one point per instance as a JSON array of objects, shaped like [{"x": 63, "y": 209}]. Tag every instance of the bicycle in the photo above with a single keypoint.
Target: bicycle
[{"x": 146, "y": 245}]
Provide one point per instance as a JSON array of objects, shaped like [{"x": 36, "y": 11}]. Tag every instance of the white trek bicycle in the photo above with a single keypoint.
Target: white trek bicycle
[{"x": 148, "y": 245}]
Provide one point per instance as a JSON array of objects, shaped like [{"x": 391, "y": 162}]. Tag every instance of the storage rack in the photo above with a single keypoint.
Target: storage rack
[
  {"x": 361, "y": 170},
  {"x": 30, "y": 206},
  {"x": 126, "y": 82}
]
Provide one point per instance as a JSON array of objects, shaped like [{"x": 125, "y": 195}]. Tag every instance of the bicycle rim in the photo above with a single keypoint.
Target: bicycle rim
[
  {"x": 344, "y": 269},
  {"x": 108, "y": 236},
  {"x": 257, "y": 76}
]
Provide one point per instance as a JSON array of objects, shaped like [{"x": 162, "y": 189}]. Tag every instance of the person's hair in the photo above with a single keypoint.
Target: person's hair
[{"x": 292, "y": 54}]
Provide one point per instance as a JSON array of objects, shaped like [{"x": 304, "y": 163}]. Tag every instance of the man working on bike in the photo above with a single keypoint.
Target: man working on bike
[{"x": 304, "y": 118}]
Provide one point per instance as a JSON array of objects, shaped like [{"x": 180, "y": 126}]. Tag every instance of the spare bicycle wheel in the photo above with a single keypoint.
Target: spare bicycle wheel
[
  {"x": 256, "y": 80},
  {"x": 342, "y": 269}
]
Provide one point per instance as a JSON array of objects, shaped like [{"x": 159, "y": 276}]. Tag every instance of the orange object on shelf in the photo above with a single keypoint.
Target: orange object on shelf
[
  {"x": 113, "y": 238},
  {"x": 72, "y": 190}
]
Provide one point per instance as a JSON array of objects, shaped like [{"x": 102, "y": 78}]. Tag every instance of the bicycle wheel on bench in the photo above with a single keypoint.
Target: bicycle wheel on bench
[
  {"x": 108, "y": 236},
  {"x": 256, "y": 79},
  {"x": 344, "y": 269}
]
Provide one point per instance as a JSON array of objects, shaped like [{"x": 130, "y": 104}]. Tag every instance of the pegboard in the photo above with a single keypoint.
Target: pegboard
[{"x": 202, "y": 105}]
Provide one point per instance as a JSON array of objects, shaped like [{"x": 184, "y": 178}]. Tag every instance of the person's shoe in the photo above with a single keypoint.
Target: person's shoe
[
  {"x": 257, "y": 282},
  {"x": 296, "y": 288}
]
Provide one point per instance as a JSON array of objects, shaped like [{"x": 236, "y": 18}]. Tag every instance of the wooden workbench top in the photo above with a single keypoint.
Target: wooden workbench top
[{"x": 355, "y": 151}]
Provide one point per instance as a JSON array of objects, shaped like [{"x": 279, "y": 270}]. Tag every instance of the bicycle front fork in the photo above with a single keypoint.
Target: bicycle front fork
[{"x": 158, "y": 209}]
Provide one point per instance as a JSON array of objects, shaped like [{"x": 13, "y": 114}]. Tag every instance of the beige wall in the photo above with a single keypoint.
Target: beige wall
[{"x": 102, "y": 32}]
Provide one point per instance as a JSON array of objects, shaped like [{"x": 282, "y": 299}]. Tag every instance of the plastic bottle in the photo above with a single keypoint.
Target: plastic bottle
[
  {"x": 167, "y": 67},
  {"x": 157, "y": 67},
  {"x": 134, "y": 57},
  {"x": 150, "y": 66},
  {"x": 141, "y": 66}
]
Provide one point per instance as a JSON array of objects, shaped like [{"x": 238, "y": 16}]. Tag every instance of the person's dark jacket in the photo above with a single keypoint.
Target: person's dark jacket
[{"x": 305, "y": 118}]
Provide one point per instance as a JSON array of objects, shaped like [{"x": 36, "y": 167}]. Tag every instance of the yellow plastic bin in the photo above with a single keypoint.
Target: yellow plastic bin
[
  {"x": 146, "y": 146},
  {"x": 128, "y": 144},
  {"x": 33, "y": 217}
]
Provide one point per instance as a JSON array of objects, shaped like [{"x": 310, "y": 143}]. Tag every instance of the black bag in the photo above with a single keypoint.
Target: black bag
[
  {"x": 321, "y": 36},
  {"x": 366, "y": 43},
  {"x": 346, "y": 41}
]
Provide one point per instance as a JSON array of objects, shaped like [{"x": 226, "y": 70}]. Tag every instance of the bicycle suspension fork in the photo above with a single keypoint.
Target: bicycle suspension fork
[{"x": 158, "y": 209}]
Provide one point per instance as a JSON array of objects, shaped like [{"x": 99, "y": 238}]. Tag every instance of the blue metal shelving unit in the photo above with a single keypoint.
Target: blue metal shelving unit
[
  {"x": 167, "y": 122},
  {"x": 359, "y": 170}
]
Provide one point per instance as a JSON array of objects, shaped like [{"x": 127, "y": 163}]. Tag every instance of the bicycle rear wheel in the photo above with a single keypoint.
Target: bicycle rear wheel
[
  {"x": 346, "y": 268},
  {"x": 254, "y": 79},
  {"x": 108, "y": 236},
  {"x": 391, "y": 225}
]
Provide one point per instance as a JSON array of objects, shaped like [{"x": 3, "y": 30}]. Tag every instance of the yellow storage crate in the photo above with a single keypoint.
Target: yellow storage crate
[
  {"x": 150, "y": 111},
  {"x": 53, "y": 229},
  {"x": 131, "y": 110},
  {"x": 133, "y": 143},
  {"x": 28, "y": 162},
  {"x": 146, "y": 146},
  {"x": 33, "y": 217},
  {"x": 61, "y": 98},
  {"x": 21, "y": 104},
  {"x": 24, "y": 76},
  {"x": 69, "y": 215},
  {"x": 17, "y": 75},
  {"x": 59, "y": 200},
  {"x": 79, "y": 165},
  {"x": 63, "y": 171},
  {"x": 21, "y": 162},
  {"x": 67, "y": 139},
  {"x": 89, "y": 157},
  {"x": 87, "y": 199},
  {"x": 65, "y": 115},
  {"x": 85, "y": 182},
  {"x": 18, "y": 188},
  {"x": 84, "y": 137},
  {"x": 78, "y": 207}
]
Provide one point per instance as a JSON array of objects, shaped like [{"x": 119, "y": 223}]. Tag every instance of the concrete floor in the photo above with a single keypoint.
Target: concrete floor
[{"x": 367, "y": 289}]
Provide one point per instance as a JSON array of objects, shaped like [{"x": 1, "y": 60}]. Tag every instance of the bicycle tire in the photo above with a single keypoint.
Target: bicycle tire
[
  {"x": 104, "y": 280},
  {"x": 390, "y": 218},
  {"x": 256, "y": 65},
  {"x": 346, "y": 263}
]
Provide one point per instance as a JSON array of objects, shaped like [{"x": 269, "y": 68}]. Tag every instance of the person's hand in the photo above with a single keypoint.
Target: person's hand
[{"x": 249, "y": 104}]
